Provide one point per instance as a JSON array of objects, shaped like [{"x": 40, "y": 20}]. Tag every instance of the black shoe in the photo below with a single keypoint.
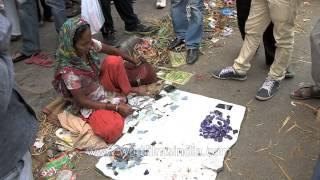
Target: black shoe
[
  {"x": 192, "y": 56},
  {"x": 228, "y": 73},
  {"x": 268, "y": 89},
  {"x": 15, "y": 38},
  {"x": 175, "y": 43},
  {"x": 109, "y": 38},
  {"x": 141, "y": 29},
  {"x": 289, "y": 73}
]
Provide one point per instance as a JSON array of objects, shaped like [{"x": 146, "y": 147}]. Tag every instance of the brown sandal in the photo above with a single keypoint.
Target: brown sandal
[{"x": 306, "y": 92}]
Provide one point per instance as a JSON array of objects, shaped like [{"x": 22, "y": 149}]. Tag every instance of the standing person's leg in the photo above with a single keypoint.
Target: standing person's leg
[
  {"x": 312, "y": 91},
  {"x": 125, "y": 10},
  {"x": 315, "y": 53},
  {"x": 29, "y": 28},
  {"x": 179, "y": 21},
  {"x": 46, "y": 11},
  {"x": 257, "y": 22},
  {"x": 106, "y": 10},
  {"x": 12, "y": 14},
  {"x": 283, "y": 16},
  {"x": 269, "y": 44},
  {"x": 58, "y": 9},
  {"x": 39, "y": 12},
  {"x": 23, "y": 170},
  {"x": 316, "y": 173},
  {"x": 107, "y": 29},
  {"x": 194, "y": 32},
  {"x": 131, "y": 20},
  {"x": 243, "y": 10}
]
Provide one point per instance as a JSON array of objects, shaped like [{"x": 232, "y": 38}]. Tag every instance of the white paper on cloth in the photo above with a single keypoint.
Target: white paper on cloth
[{"x": 180, "y": 152}]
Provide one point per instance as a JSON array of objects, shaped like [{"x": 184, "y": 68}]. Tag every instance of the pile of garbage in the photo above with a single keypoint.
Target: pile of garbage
[{"x": 220, "y": 17}]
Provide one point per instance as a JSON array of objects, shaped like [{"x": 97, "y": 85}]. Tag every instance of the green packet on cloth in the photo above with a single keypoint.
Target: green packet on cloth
[
  {"x": 174, "y": 76},
  {"x": 51, "y": 168},
  {"x": 177, "y": 58}
]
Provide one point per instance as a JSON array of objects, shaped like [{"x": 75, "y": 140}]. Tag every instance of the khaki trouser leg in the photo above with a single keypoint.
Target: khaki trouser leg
[
  {"x": 283, "y": 14},
  {"x": 258, "y": 20}
]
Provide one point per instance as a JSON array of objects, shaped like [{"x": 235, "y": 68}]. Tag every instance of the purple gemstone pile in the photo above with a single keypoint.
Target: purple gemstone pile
[{"x": 215, "y": 127}]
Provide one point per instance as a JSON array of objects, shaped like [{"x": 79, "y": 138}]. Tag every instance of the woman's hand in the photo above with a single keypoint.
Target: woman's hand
[{"x": 124, "y": 110}]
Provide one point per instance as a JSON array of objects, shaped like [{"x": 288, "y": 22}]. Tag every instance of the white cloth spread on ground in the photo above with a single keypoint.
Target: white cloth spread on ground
[{"x": 174, "y": 147}]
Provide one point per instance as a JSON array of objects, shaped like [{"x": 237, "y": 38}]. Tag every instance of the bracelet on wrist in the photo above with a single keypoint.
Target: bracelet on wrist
[{"x": 117, "y": 108}]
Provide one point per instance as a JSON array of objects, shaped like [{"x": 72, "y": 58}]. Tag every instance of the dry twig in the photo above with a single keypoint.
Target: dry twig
[
  {"x": 282, "y": 169},
  {"x": 284, "y": 123}
]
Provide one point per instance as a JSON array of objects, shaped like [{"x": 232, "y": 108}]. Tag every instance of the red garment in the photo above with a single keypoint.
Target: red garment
[
  {"x": 113, "y": 76},
  {"x": 107, "y": 124}
]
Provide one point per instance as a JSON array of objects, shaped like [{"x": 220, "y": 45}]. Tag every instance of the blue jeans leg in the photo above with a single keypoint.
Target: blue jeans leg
[
  {"x": 316, "y": 174},
  {"x": 58, "y": 9},
  {"x": 194, "y": 32},
  {"x": 179, "y": 17},
  {"x": 29, "y": 25},
  {"x": 23, "y": 170}
]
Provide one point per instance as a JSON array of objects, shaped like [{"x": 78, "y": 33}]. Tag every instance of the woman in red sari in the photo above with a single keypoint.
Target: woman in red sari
[{"x": 93, "y": 88}]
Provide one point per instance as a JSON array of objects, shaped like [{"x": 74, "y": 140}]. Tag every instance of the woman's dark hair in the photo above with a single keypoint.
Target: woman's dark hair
[{"x": 79, "y": 32}]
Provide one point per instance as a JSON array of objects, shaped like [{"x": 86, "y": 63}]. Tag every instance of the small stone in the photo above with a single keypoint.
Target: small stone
[
  {"x": 229, "y": 137},
  {"x": 153, "y": 143},
  {"x": 115, "y": 173},
  {"x": 146, "y": 172},
  {"x": 185, "y": 98},
  {"x": 130, "y": 129}
]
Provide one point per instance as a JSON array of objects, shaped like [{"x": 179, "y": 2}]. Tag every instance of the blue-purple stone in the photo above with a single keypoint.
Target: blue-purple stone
[{"x": 229, "y": 137}]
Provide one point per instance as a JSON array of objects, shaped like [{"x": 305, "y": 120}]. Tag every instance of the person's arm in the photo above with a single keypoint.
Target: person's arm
[
  {"x": 107, "y": 49},
  {"x": 83, "y": 101},
  {"x": 73, "y": 83}
]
